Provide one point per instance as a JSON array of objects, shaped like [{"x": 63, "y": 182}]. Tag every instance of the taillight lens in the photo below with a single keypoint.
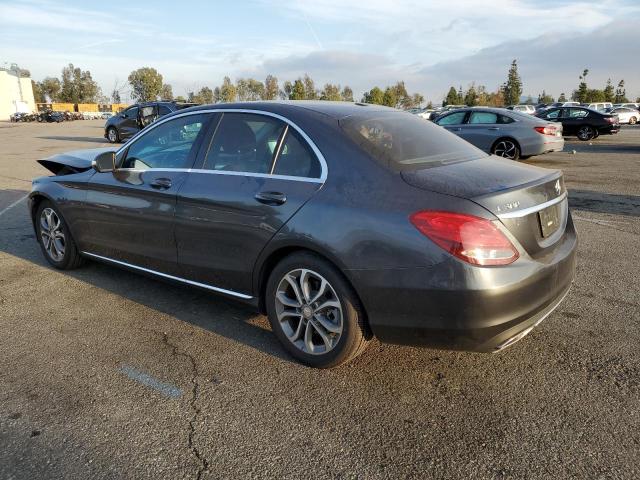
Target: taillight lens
[
  {"x": 473, "y": 239},
  {"x": 547, "y": 130}
]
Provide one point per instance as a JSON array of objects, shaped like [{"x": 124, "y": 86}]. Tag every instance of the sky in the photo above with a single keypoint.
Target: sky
[{"x": 430, "y": 45}]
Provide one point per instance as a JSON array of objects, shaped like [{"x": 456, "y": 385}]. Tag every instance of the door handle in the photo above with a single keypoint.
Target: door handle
[
  {"x": 457, "y": 129},
  {"x": 271, "y": 198},
  {"x": 161, "y": 183},
  {"x": 494, "y": 128}
]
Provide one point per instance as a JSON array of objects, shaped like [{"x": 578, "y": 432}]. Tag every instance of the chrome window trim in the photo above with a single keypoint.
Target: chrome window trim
[
  {"x": 171, "y": 277},
  {"x": 223, "y": 172},
  {"x": 314, "y": 147},
  {"x": 536, "y": 208}
]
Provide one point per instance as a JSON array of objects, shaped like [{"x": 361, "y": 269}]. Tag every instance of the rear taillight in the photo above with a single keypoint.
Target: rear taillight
[
  {"x": 610, "y": 119},
  {"x": 547, "y": 130},
  {"x": 473, "y": 239}
]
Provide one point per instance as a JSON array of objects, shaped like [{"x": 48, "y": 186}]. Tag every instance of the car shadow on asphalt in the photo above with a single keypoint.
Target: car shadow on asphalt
[
  {"x": 76, "y": 139},
  {"x": 211, "y": 312},
  {"x": 599, "y": 202}
]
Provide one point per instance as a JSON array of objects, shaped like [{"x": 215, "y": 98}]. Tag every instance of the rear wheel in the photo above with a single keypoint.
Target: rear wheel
[
  {"x": 633, "y": 121},
  {"x": 314, "y": 312},
  {"x": 506, "y": 148},
  {"x": 585, "y": 133},
  {"x": 55, "y": 239}
]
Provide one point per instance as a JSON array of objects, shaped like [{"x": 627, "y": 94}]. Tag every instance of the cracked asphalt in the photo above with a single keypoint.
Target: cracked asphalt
[{"x": 562, "y": 403}]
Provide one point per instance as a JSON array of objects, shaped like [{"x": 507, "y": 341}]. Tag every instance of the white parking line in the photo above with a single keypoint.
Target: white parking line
[{"x": 2, "y": 212}]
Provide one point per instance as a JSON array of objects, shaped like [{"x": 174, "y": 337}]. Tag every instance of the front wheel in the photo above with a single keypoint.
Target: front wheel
[
  {"x": 314, "y": 312},
  {"x": 586, "y": 133},
  {"x": 506, "y": 148},
  {"x": 633, "y": 121},
  {"x": 55, "y": 238}
]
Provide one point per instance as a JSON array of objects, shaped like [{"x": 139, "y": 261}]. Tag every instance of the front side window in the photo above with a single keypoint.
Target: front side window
[
  {"x": 130, "y": 112},
  {"x": 483, "y": 117},
  {"x": 452, "y": 119},
  {"x": 169, "y": 145},
  {"x": 296, "y": 159},
  {"x": 244, "y": 142}
]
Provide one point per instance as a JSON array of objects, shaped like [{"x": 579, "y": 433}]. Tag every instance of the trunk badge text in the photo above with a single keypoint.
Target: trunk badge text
[{"x": 508, "y": 206}]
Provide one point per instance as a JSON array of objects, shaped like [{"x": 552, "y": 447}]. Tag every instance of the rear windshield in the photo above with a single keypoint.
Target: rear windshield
[{"x": 402, "y": 141}]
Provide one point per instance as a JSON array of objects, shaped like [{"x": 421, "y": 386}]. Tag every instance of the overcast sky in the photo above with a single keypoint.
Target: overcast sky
[{"x": 428, "y": 44}]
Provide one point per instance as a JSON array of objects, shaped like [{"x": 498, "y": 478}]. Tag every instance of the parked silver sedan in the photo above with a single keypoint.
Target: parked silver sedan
[{"x": 503, "y": 132}]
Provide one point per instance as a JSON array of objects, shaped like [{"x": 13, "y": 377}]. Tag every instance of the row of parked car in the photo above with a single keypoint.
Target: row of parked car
[{"x": 51, "y": 116}]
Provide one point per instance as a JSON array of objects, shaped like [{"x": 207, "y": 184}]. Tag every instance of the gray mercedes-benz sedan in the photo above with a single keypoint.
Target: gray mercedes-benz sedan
[
  {"x": 340, "y": 221},
  {"x": 506, "y": 133}
]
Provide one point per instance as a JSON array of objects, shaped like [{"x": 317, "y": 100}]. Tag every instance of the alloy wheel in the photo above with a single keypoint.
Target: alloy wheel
[
  {"x": 112, "y": 135},
  {"x": 633, "y": 120},
  {"x": 506, "y": 149},
  {"x": 585, "y": 133},
  {"x": 309, "y": 311},
  {"x": 52, "y": 235}
]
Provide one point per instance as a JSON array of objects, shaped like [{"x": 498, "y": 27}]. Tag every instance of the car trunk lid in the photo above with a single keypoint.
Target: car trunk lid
[{"x": 529, "y": 201}]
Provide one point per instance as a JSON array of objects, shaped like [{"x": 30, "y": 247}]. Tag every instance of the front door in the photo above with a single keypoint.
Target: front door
[
  {"x": 256, "y": 173},
  {"x": 483, "y": 129},
  {"x": 128, "y": 125},
  {"x": 131, "y": 210}
]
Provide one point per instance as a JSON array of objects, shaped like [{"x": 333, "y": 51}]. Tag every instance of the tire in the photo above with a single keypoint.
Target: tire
[
  {"x": 506, "y": 148},
  {"x": 61, "y": 253},
  {"x": 316, "y": 336},
  {"x": 633, "y": 121},
  {"x": 112, "y": 135},
  {"x": 586, "y": 133}
]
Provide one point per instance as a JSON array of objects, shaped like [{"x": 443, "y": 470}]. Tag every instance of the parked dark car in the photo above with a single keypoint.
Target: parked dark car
[
  {"x": 127, "y": 123},
  {"x": 340, "y": 221},
  {"x": 506, "y": 133},
  {"x": 582, "y": 122}
]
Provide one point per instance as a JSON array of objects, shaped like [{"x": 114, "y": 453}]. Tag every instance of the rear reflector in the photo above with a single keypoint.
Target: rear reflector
[
  {"x": 547, "y": 130},
  {"x": 473, "y": 239}
]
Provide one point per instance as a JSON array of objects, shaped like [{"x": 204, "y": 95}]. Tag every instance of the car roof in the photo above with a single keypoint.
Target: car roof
[{"x": 335, "y": 110}]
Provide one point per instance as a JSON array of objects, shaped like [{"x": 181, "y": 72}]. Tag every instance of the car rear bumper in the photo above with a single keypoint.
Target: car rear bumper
[
  {"x": 457, "y": 306},
  {"x": 543, "y": 144},
  {"x": 609, "y": 129}
]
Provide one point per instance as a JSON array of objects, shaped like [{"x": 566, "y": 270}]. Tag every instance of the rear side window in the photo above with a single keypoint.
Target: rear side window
[
  {"x": 403, "y": 141},
  {"x": 244, "y": 142},
  {"x": 452, "y": 119},
  {"x": 296, "y": 158},
  {"x": 578, "y": 113},
  {"x": 164, "y": 110}
]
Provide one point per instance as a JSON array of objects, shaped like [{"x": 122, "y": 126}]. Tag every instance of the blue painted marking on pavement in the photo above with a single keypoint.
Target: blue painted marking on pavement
[{"x": 166, "y": 389}]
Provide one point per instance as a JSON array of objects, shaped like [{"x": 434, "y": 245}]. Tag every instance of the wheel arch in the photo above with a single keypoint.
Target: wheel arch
[{"x": 276, "y": 255}]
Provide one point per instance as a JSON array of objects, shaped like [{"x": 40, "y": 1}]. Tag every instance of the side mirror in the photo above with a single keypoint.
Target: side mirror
[{"x": 105, "y": 162}]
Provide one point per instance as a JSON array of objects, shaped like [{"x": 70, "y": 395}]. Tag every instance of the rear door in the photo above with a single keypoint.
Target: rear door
[
  {"x": 254, "y": 173},
  {"x": 482, "y": 129},
  {"x": 131, "y": 210},
  {"x": 573, "y": 118}
]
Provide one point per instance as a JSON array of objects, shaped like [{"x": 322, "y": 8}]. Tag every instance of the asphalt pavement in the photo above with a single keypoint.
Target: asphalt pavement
[{"x": 108, "y": 374}]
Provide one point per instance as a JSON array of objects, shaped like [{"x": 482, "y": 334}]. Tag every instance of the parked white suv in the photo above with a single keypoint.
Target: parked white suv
[
  {"x": 600, "y": 106},
  {"x": 530, "y": 109}
]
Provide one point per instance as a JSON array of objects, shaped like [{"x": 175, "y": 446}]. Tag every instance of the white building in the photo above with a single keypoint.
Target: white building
[{"x": 16, "y": 93}]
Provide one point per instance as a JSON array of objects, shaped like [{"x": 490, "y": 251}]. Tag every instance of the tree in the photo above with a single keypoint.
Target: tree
[
  {"x": 580, "y": 95},
  {"x": 545, "y": 98},
  {"x": 429, "y": 105},
  {"x": 347, "y": 94},
  {"x": 390, "y": 98},
  {"x": 416, "y": 100},
  {"x": 50, "y": 88},
  {"x": 310, "y": 91},
  {"x": 37, "y": 92},
  {"x": 256, "y": 89},
  {"x": 287, "y": 88},
  {"x": 228, "y": 91},
  {"x": 115, "y": 96},
  {"x": 374, "y": 96},
  {"x": 242, "y": 90},
  {"x": 471, "y": 97},
  {"x": 77, "y": 86},
  {"x": 146, "y": 84},
  {"x": 204, "y": 95},
  {"x": 331, "y": 92},
  {"x": 621, "y": 93},
  {"x": 513, "y": 87},
  {"x": 562, "y": 98},
  {"x": 180, "y": 99},
  {"x": 166, "y": 92},
  {"x": 595, "y": 95},
  {"x": 298, "y": 91},
  {"x": 270, "y": 88},
  {"x": 609, "y": 94},
  {"x": 451, "y": 98}
]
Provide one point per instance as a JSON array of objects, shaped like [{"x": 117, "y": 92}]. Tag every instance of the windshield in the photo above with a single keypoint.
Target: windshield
[{"x": 403, "y": 141}]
